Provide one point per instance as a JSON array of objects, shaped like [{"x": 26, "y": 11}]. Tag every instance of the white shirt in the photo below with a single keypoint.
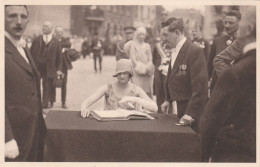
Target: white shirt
[
  {"x": 249, "y": 47},
  {"x": 19, "y": 44},
  {"x": 176, "y": 50},
  {"x": 47, "y": 38}
]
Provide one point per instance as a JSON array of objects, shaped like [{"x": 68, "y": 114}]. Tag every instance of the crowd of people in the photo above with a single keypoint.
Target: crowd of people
[{"x": 181, "y": 70}]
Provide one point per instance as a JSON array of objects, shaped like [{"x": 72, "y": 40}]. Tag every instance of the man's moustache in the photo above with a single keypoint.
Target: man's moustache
[{"x": 18, "y": 28}]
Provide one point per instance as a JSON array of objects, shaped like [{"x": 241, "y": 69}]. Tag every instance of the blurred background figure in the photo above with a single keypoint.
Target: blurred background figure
[
  {"x": 199, "y": 40},
  {"x": 85, "y": 48},
  {"x": 68, "y": 55},
  {"x": 161, "y": 59},
  {"x": 228, "y": 125},
  {"x": 231, "y": 23},
  {"x": 97, "y": 50},
  {"x": 141, "y": 57},
  {"x": 46, "y": 52},
  {"x": 128, "y": 35}
]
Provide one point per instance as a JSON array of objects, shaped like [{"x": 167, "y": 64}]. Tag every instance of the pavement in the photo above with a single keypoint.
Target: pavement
[{"x": 83, "y": 81}]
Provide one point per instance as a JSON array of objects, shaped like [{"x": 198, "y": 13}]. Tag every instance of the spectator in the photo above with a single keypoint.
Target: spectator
[
  {"x": 231, "y": 21},
  {"x": 46, "y": 51},
  {"x": 228, "y": 126},
  {"x": 141, "y": 57},
  {"x": 97, "y": 50}
]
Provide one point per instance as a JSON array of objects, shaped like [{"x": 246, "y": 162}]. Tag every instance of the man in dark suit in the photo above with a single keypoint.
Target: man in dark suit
[
  {"x": 120, "y": 51},
  {"x": 46, "y": 52},
  {"x": 228, "y": 125},
  {"x": 24, "y": 124},
  {"x": 68, "y": 55},
  {"x": 187, "y": 75},
  {"x": 97, "y": 50},
  {"x": 231, "y": 21}
]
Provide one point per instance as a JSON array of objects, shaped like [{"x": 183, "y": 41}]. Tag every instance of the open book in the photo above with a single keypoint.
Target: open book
[{"x": 119, "y": 114}]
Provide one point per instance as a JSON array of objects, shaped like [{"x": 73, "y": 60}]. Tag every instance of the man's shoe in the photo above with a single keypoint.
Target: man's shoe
[{"x": 64, "y": 106}]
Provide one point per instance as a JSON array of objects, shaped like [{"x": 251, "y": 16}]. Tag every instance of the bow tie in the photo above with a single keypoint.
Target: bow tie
[{"x": 21, "y": 43}]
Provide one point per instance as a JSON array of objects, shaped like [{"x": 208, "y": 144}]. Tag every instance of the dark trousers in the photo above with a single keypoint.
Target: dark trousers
[
  {"x": 160, "y": 88},
  {"x": 64, "y": 87},
  {"x": 99, "y": 57},
  {"x": 48, "y": 87},
  {"x": 181, "y": 109}
]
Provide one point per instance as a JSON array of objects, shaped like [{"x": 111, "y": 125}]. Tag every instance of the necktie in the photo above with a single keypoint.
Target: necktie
[{"x": 46, "y": 39}]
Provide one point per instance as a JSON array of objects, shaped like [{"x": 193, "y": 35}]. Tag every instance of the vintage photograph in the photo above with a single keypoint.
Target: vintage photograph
[{"x": 130, "y": 83}]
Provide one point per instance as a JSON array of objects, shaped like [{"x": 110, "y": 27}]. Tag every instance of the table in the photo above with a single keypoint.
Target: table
[{"x": 72, "y": 138}]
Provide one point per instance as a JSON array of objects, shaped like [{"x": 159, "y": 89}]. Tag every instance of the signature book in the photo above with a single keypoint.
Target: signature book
[{"x": 119, "y": 115}]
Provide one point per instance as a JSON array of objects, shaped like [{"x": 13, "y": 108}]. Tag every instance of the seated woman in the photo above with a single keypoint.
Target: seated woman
[{"x": 120, "y": 94}]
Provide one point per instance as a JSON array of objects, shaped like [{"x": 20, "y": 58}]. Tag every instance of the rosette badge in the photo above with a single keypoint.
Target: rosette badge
[{"x": 229, "y": 42}]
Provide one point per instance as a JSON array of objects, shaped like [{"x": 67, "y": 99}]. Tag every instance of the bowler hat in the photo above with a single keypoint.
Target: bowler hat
[{"x": 124, "y": 65}]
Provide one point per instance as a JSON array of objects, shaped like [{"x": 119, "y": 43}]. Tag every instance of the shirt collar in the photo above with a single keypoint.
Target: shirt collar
[
  {"x": 16, "y": 42},
  {"x": 12, "y": 39},
  {"x": 49, "y": 36},
  {"x": 249, "y": 47},
  {"x": 180, "y": 44}
]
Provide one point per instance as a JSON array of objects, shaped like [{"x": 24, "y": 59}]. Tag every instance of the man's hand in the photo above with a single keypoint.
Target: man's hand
[
  {"x": 165, "y": 107},
  {"x": 11, "y": 149},
  {"x": 186, "y": 120},
  {"x": 59, "y": 73}
]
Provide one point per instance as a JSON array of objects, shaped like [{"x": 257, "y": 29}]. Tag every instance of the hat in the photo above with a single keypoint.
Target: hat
[
  {"x": 124, "y": 65},
  {"x": 129, "y": 28}
]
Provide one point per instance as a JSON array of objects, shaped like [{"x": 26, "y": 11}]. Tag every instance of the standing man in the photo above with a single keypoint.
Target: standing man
[
  {"x": 187, "y": 76},
  {"x": 68, "y": 55},
  {"x": 46, "y": 51},
  {"x": 228, "y": 125},
  {"x": 97, "y": 50},
  {"x": 120, "y": 51},
  {"x": 231, "y": 23},
  {"x": 25, "y": 128}
]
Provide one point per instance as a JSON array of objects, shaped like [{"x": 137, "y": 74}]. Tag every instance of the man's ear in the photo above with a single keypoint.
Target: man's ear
[{"x": 250, "y": 29}]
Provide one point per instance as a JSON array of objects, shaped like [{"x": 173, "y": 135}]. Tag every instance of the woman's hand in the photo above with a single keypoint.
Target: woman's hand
[
  {"x": 126, "y": 102},
  {"x": 84, "y": 110}
]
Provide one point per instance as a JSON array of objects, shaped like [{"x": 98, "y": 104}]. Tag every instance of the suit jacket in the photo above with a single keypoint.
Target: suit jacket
[
  {"x": 230, "y": 114},
  {"x": 187, "y": 80},
  {"x": 120, "y": 52},
  {"x": 54, "y": 57},
  {"x": 225, "y": 57},
  {"x": 23, "y": 112},
  {"x": 219, "y": 44}
]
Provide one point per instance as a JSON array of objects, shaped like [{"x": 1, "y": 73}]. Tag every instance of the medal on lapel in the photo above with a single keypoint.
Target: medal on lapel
[{"x": 183, "y": 67}]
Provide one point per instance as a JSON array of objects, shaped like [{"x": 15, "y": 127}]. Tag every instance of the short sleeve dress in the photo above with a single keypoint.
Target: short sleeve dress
[{"x": 111, "y": 99}]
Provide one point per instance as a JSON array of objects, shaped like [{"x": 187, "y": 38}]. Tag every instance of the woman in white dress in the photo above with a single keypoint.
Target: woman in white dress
[{"x": 141, "y": 57}]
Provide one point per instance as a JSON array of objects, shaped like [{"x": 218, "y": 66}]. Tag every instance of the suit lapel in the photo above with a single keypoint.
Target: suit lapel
[
  {"x": 28, "y": 55},
  {"x": 16, "y": 56},
  {"x": 180, "y": 57}
]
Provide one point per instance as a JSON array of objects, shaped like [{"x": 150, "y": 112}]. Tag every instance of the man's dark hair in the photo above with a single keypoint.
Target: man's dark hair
[
  {"x": 25, "y": 6},
  {"x": 235, "y": 13},
  {"x": 176, "y": 24}
]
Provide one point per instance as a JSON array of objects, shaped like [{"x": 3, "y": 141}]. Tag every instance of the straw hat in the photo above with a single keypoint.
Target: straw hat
[{"x": 124, "y": 65}]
